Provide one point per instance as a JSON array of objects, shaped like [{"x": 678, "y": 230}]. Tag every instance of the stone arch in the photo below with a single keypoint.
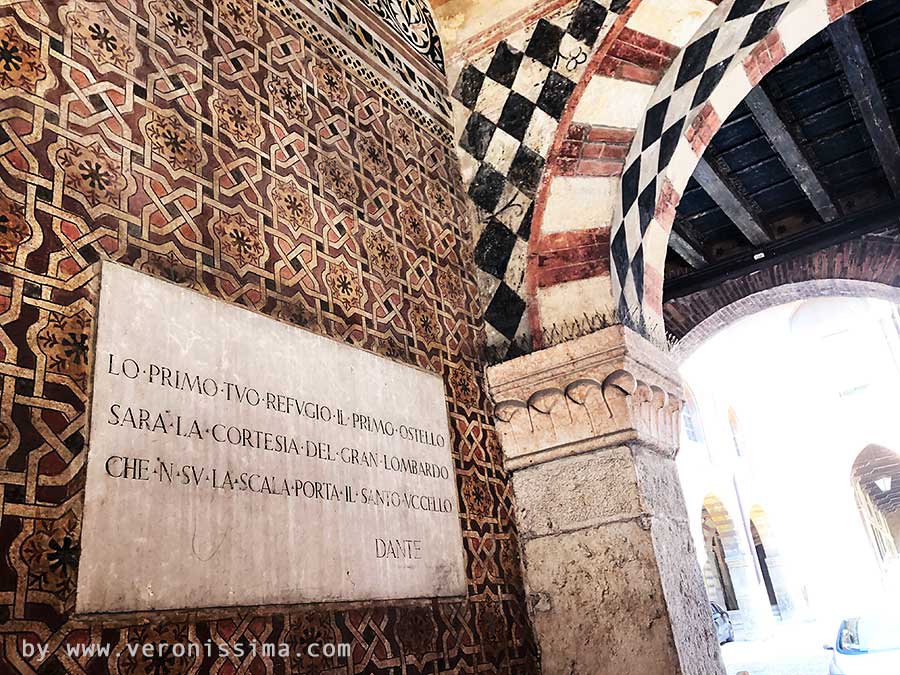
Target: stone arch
[
  {"x": 720, "y": 541},
  {"x": 875, "y": 477},
  {"x": 773, "y": 296},
  {"x": 760, "y": 521},
  {"x": 765, "y": 544},
  {"x": 684, "y": 74}
]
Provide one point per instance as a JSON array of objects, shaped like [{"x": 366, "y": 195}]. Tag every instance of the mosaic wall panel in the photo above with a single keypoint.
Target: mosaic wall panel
[
  {"x": 507, "y": 104},
  {"x": 252, "y": 152}
]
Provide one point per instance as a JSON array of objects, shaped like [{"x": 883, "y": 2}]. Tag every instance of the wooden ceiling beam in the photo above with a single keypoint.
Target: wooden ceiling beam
[
  {"x": 730, "y": 203},
  {"x": 864, "y": 85},
  {"x": 792, "y": 155},
  {"x": 691, "y": 254},
  {"x": 806, "y": 241}
]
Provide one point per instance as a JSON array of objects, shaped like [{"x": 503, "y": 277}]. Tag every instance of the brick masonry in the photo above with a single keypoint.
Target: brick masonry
[
  {"x": 514, "y": 81},
  {"x": 763, "y": 58},
  {"x": 874, "y": 260},
  {"x": 673, "y": 75},
  {"x": 570, "y": 256},
  {"x": 838, "y": 8},
  {"x": 592, "y": 150},
  {"x": 637, "y": 57}
]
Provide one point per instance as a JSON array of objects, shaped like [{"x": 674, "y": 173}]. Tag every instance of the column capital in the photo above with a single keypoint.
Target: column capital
[{"x": 609, "y": 388}]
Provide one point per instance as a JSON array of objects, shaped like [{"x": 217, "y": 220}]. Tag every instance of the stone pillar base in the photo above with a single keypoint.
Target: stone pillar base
[
  {"x": 756, "y": 620},
  {"x": 589, "y": 432}
]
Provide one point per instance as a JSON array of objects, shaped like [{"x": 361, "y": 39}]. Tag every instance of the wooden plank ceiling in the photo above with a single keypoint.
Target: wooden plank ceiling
[{"x": 809, "y": 159}]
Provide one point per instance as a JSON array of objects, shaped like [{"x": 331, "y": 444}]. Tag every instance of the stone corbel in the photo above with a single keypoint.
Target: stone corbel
[
  {"x": 605, "y": 389},
  {"x": 589, "y": 408},
  {"x": 513, "y": 421}
]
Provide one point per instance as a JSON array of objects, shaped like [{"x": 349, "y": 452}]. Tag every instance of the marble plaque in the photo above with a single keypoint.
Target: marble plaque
[{"x": 237, "y": 460}]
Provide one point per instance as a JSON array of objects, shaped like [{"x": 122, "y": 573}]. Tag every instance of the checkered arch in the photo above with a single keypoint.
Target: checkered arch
[
  {"x": 508, "y": 100},
  {"x": 740, "y": 42}
]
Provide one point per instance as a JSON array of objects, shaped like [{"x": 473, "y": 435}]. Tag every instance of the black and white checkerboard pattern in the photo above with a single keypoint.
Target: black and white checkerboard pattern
[
  {"x": 513, "y": 99},
  {"x": 729, "y": 34}
]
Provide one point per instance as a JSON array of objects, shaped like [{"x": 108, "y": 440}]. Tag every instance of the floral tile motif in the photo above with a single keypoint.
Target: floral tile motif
[
  {"x": 373, "y": 156},
  {"x": 344, "y": 285},
  {"x": 306, "y": 628},
  {"x": 425, "y": 323},
  {"x": 20, "y": 61},
  {"x": 50, "y": 553},
  {"x": 95, "y": 30},
  {"x": 179, "y": 24},
  {"x": 477, "y": 496},
  {"x": 173, "y": 141},
  {"x": 403, "y": 134},
  {"x": 288, "y": 98},
  {"x": 382, "y": 252},
  {"x": 415, "y": 225},
  {"x": 240, "y": 240},
  {"x": 134, "y": 661},
  {"x": 440, "y": 200},
  {"x": 452, "y": 289},
  {"x": 338, "y": 178},
  {"x": 237, "y": 118},
  {"x": 416, "y": 630},
  {"x": 292, "y": 206},
  {"x": 170, "y": 267},
  {"x": 331, "y": 82},
  {"x": 14, "y": 230},
  {"x": 64, "y": 341},
  {"x": 92, "y": 175},
  {"x": 240, "y": 17},
  {"x": 465, "y": 389}
]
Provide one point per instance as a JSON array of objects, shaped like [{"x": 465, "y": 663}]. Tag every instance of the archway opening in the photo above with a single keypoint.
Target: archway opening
[
  {"x": 876, "y": 486},
  {"x": 719, "y": 542},
  {"x": 788, "y": 395},
  {"x": 762, "y": 557}
]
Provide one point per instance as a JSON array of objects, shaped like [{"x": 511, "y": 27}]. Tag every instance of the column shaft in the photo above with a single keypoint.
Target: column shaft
[{"x": 589, "y": 432}]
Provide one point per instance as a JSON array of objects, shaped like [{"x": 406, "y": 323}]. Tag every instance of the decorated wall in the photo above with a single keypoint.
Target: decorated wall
[{"x": 295, "y": 158}]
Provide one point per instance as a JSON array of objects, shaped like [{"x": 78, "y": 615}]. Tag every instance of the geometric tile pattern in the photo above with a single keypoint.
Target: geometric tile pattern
[
  {"x": 508, "y": 103},
  {"x": 246, "y": 150},
  {"x": 399, "y": 37},
  {"x": 732, "y": 31}
]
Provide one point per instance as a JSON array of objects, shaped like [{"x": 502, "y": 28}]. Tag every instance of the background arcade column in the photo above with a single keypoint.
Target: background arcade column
[{"x": 589, "y": 431}]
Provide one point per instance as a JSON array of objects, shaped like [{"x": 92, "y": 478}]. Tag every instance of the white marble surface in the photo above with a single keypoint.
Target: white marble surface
[{"x": 190, "y": 504}]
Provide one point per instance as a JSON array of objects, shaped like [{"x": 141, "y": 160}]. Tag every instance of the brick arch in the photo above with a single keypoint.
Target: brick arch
[
  {"x": 749, "y": 301},
  {"x": 636, "y": 128}
]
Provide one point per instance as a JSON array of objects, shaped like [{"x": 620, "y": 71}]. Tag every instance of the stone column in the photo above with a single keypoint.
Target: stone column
[
  {"x": 589, "y": 431},
  {"x": 784, "y": 591},
  {"x": 754, "y": 620}
]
